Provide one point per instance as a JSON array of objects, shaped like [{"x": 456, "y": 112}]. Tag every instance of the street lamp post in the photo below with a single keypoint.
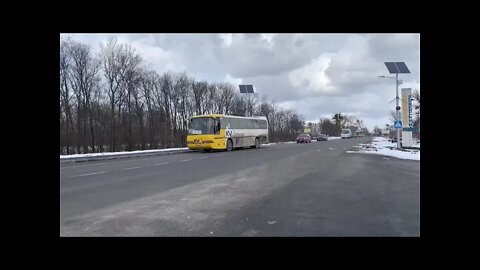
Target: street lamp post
[
  {"x": 397, "y": 107},
  {"x": 398, "y": 113},
  {"x": 396, "y": 68}
]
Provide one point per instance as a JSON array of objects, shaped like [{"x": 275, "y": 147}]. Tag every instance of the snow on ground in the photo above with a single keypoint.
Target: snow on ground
[
  {"x": 267, "y": 144},
  {"x": 334, "y": 138},
  {"x": 381, "y": 146},
  {"x": 120, "y": 153}
]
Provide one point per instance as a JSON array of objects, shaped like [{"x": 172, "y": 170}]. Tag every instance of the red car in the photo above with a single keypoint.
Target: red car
[{"x": 304, "y": 138}]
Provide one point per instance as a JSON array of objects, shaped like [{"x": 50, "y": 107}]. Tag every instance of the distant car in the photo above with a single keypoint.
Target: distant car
[
  {"x": 346, "y": 134},
  {"x": 322, "y": 137},
  {"x": 304, "y": 138}
]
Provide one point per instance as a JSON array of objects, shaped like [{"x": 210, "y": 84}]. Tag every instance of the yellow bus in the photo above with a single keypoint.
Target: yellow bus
[{"x": 218, "y": 131}]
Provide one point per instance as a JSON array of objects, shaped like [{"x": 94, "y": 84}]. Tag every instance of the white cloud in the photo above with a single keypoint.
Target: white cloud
[
  {"x": 312, "y": 78},
  {"x": 268, "y": 38},
  {"x": 288, "y": 105},
  {"x": 232, "y": 80},
  {"x": 227, "y": 39}
]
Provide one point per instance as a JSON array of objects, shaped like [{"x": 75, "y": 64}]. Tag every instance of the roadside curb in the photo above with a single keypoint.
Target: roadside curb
[{"x": 108, "y": 157}]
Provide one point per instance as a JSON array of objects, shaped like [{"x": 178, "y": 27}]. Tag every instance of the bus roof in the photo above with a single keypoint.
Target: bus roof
[
  {"x": 232, "y": 116},
  {"x": 208, "y": 115}
]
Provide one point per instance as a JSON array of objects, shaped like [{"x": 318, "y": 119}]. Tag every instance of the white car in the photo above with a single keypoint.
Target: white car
[{"x": 346, "y": 134}]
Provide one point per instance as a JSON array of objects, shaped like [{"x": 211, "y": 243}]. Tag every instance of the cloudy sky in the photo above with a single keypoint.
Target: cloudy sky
[{"x": 315, "y": 74}]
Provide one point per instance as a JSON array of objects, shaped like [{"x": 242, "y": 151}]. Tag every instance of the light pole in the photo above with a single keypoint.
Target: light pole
[
  {"x": 396, "y": 108},
  {"x": 396, "y": 68}
]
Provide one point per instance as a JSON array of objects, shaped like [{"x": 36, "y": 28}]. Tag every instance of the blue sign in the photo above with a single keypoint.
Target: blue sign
[
  {"x": 411, "y": 129},
  {"x": 410, "y": 118},
  {"x": 397, "y": 124}
]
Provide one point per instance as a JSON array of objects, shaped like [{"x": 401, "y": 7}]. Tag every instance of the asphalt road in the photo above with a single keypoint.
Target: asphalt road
[{"x": 279, "y": 190}]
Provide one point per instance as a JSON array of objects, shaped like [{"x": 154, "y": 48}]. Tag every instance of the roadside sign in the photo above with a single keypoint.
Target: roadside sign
[
  {"x": 411, "y": 129},
  {"x": 397, "y": 124}
]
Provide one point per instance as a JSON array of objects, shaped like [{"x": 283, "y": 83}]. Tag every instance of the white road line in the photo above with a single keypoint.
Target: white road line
[
  {"x": 185, "y": 160},
  {"x": 86, "y": 174},
  {"x": 219, "y": 156},
  {"x": 98, "y": 164},
  {"x": 132, "y": 168},
  {"x": 203, "y": 157},
  {"x": 160, "y": 164}
]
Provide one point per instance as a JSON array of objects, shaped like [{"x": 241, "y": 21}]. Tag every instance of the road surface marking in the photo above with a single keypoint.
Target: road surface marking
[
  {"x": 160, "y": 164},
  {"x": 132, "y": 168},
  {"x": 185, "y": 160},
  {"x": 86, "y": 174}
]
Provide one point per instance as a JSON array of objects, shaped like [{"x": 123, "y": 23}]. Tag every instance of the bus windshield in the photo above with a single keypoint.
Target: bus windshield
[{"x": 203, "y": 125}]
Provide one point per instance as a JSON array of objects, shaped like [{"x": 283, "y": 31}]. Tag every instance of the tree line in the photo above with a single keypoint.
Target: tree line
[
  {"x": 333, "y": 126},
  {"x": 111, "y": 101}
]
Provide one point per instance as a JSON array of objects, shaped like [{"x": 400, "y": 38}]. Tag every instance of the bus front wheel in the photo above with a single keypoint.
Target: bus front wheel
[{"x": 229, "y": 145}]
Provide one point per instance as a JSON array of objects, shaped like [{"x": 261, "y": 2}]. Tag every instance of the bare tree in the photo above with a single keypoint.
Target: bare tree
[
  {"x": 328, "y": 127},
  {"x": 129, "y": 62},
  {"x": 112, "y": 73},
  {"x": 147, "y": 89},
  {"x": 84, "y": 80},
  {"x": 65, "y": 95},
  {"x": 238, "y": 106},
  {"x": 200, "y": 96},
  {"x": 377, "y": 131},
  {"x": 226, "y": 97},
  {"x": 340, "y": 120},
  {"x": 393, "y": 116}
]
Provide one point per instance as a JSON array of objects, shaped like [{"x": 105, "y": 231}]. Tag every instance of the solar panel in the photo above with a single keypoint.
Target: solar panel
[
  {"x": 246, "y": 88},
  {"x": 249, "y": 88},
  {"x": 392, "y": 68},
  {"x": 402, "y": 67},
  {"x": 243, "y": 88}
]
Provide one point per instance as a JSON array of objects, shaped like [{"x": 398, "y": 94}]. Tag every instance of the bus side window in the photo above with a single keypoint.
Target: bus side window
[
  {"x": 224, "y": 122},
  {"x": 217, "y": 126},
  {"x": 262, "y": 124},
  {"x": 250, "y": 123},
  {"x": 242, "y": 123},
  {"x": 233, "y": 123}
]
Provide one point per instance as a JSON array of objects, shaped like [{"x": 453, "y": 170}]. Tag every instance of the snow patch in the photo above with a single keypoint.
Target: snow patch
[
  {"x": 382, "y": 146},
  {"x": 120, "y": 153}
]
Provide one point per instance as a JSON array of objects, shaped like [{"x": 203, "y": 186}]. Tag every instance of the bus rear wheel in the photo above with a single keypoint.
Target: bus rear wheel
[
  {"x": 257, "y": 143},
  {"x": 229, "y": 145}
]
